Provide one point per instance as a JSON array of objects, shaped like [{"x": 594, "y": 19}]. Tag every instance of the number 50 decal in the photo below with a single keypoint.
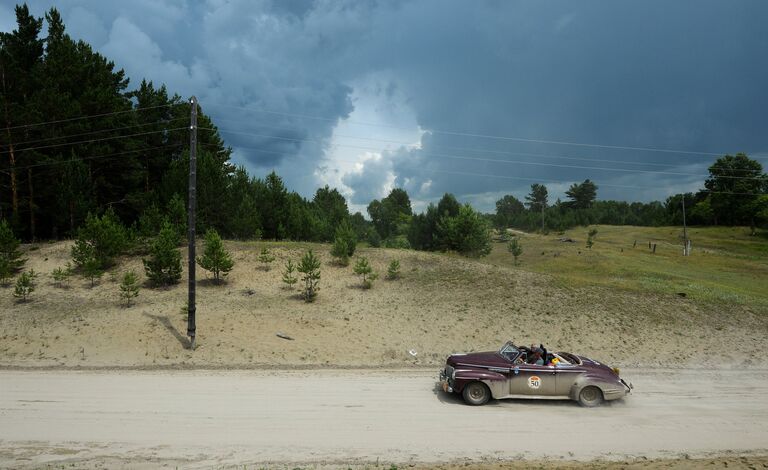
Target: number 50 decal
[{"x": 534, "y": 381}]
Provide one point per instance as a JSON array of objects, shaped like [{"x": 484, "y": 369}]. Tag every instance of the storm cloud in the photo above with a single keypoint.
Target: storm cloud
[{"x": 475, "y": 98}]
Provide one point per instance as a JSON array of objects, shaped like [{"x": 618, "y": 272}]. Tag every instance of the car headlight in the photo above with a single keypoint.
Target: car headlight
[{"x": 615, "y": 370}]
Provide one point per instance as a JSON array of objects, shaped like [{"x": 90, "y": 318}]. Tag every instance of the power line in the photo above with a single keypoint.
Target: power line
[
  {"x": 469, "y": 149},
  {"x": 96, "y": 157},
  {"x": 94, "y": 140},
  {"x": 462, "y": 157},
  {"x": 537, "y": 180},
  {"x": 92, "y": 116},
  {"x": 484, "y": 136},
  {"x": 96, "y": 132}
]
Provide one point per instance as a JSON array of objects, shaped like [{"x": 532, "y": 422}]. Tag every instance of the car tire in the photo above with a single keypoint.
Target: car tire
[
  {"x": 476, "y": 394},
  {"x": 590, "y": 396}
]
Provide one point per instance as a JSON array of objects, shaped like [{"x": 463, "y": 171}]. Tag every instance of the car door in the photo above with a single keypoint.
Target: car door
[
  {"x": 565, "y": 376},
  {"x": 532, "y": 380}
]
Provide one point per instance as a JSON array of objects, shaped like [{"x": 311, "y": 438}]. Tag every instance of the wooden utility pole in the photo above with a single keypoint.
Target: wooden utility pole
[
  {"x": 685, "y": 231},
  {"x": 191, "y": 309}
]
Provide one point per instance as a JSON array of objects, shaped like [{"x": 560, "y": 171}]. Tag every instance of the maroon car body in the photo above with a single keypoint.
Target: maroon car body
[{"x": 507, "y": 373}]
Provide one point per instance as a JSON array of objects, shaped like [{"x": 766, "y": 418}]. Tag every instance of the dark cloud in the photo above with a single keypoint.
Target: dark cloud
[{"x": 673, "y": 75}]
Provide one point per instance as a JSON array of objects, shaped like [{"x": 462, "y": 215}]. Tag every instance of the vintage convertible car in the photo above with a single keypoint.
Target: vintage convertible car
[{"x": 522, "y": 372}]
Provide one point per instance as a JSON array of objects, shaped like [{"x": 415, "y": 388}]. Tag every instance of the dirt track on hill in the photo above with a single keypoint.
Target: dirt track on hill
[{"x": 332, "y": 417}]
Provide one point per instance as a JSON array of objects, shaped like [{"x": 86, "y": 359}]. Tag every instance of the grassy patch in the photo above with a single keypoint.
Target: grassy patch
[{"x": 728, "y": 264}]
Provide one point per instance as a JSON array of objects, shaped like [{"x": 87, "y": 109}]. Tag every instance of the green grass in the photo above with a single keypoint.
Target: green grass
[{"x": 727, "y": 264}]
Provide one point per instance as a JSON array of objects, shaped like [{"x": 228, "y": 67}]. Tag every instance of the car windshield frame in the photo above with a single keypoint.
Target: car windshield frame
[{"x": 509, "y": 351}]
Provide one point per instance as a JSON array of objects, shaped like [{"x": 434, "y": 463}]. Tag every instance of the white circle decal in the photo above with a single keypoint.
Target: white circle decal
[{"x": 534, "y": 382}]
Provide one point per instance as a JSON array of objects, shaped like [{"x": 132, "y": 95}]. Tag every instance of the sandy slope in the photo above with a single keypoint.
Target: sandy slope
[
  {"x": 441, "y": 305},
  {"x": 204, "y": 418}
]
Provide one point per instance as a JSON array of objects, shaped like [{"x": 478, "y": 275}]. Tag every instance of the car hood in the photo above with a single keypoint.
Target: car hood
[{"x": 478, "y": 359}]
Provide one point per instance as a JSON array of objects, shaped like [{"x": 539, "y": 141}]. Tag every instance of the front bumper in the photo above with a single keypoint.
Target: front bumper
[
  {"x": 616, "y": 393},
  {"x": 446, "y": 380}
]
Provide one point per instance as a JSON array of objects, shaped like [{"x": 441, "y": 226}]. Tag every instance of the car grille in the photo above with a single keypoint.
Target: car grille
[{"x": 448, "y": 372}]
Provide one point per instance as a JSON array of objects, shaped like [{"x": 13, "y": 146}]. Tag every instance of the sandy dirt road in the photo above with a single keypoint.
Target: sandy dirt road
[{"x": 204, "y": 418}]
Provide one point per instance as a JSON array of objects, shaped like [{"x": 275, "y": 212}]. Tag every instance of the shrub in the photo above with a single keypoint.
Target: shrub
[
  {"x": 340, "y": 251},
  {"x": 467, "y": 233},
  {"x": 25, "y": 285},
  {"x": 266, "y": 258},
  {"x": 310, "y": 268},
  {"x": 129, "y": 288},
  {"x": 61, "y": 275},
  {"x": 5, "y": 272},
  {"x": 216, "y": 258},
  {"x": 91, "y": 270},
  {"x": 374, "y": 239},
  {"x": 591, "y": 237},
  {"x": 515, "y": 248},
  {"x": 393, "y": 271},
  {"x": 10, "y": 256},
  {"x": 346, "y": 233},
  {"x": 365, "y": 271},
  {"x": 102, "y": 238},
  {"x": 289, "y": 277},
  {"x": 164, "y": 265}
]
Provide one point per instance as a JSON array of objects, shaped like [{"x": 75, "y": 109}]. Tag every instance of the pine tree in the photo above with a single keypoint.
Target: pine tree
[
  {"x": 164, "y": 265},
  {"x": 216, "y": 258},
  {"x": 5, "y": 272},
  {"x": 91, "y": 270},
  {"x": 129, "y": 288},
  {"x": 310, "y": 268},
  {"x": 340, "y": 251},
  {"x": 591, "y": 237},
  {"x": 10, "y": 256},
  {"x": 266, "y": 258},
  {"x": 25, "y": 285},
  {"x": 289, "y": 277},
  {"x": 61, "y": 275},
  {"x": 102, "y": 238},
  {"x": 515, "y": 248},
  {"x": 393, "y": 271},
  {"x": 365, "y": 271},
  {"x": 177, "y": 216}
]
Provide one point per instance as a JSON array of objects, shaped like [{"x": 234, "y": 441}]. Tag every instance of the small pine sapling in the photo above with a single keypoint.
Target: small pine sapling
[
  {"x": 164, "y": 264},
  {"x": 289, "y": 277},
  {"x": 310, "y": 268},
  {"x": 340, "y": 251},
  {"x": 10, "y": 256},
  {"x": 91, "y": 270},
  {"x": 393, "y": 271},
  {"x": 515, "y": 248},
  {"x": 5, "y": 271},
  {"x": 216, "y": 258},
  {"x": 365, "y": 271},
  {"x": 25, "y": 285},
  {"x": 266, "y": 258},
  {"x": 61, "y": 276},
  {"x": 591, "y": 237},
  {"x": 129, "y": 288}
]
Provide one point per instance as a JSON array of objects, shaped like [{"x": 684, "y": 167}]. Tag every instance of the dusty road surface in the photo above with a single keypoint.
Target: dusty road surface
[{"x": 204, "y": 418}]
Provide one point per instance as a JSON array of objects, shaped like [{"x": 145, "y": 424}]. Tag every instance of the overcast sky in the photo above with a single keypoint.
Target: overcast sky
[{"x": 477, "y": 98}]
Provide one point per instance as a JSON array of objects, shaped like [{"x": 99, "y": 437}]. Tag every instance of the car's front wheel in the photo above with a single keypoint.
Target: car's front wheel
[
  {"x": 590, "y": 396},
  {"x": 476, "y": 393}
]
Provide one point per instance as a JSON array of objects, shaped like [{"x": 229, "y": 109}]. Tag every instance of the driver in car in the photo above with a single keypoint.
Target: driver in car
[{"x": 536, "y": 357}]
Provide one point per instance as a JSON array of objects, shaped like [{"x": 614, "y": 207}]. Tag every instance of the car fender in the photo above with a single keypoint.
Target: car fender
[
  {"x": 494, "y": 380},
  {"x": 586, "y": 380}
]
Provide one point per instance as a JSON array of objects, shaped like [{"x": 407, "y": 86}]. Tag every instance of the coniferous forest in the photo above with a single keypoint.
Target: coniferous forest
[{"x": 78, "y": 138}]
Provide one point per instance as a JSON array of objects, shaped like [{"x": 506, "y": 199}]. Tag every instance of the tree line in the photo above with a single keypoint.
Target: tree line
[{"x": 735, "y": 193}]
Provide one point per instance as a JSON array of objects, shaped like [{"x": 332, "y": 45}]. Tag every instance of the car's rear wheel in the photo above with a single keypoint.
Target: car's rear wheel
[
  {"x": 476, "y": 393},
  {"x": 590, "y": 396}
]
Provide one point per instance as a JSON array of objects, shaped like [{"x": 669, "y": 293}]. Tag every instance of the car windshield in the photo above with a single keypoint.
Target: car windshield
[{"x": 509, "y": 350}]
